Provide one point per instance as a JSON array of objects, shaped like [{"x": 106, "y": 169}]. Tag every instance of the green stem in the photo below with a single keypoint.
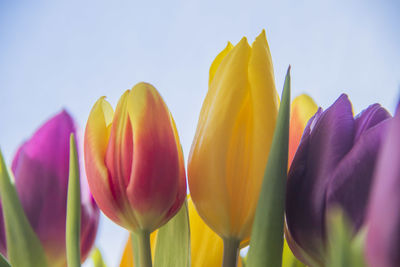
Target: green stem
[
  {"x": 143, "y": 238},
  {"x": 231, "y": 252}
]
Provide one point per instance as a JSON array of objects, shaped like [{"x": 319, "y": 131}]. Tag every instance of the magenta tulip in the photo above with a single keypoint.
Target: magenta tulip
[{"x": 40, "y": 167}]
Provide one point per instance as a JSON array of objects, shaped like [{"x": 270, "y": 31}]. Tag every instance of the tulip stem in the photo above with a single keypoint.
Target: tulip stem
[
  {"x": 231, "y": 252},
  {"x": 143, "y": 237}
]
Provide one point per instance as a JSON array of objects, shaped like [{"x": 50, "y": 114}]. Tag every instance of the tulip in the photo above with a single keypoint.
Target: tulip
[
  {"x": 232, "y": 141},
  {"x": 206, "y": 247},
  {"x": 40, "y": 168},
  {"x": 134, "y": 161},
  {"x": 302, "y": 109},
  {"x": 383, "y": 220},
  {"x": 333, "y": 166}
]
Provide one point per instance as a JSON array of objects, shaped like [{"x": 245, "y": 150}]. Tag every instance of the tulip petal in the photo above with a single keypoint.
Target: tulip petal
[
  {"x": 217, "y": 61},
  {"x": 350, "y": 183},
  {"x": 263, "y": 105},
  {"x": 180, "y": 198},
  {"x": 97, "y": 135},
  {"x": 152, "y": 191},
  {"x": 211, "y": 160},
  {"x": 302, "y": 109},
  {"x": 206, "y": 246},
  {"x": 383, "y": 239},
  {"x": 118, "y": 161},
  {"x": 41, "y": 176},
  {"x": 369, "y": 118},
  {"x": 326, "y": 140}
]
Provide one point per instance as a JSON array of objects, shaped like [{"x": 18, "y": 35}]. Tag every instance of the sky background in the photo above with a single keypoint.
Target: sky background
[{"x": 66, "y": 54}]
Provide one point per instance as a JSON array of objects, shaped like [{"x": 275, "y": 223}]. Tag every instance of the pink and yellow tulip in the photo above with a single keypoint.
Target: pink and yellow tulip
[{"x": 134, "y": 161}]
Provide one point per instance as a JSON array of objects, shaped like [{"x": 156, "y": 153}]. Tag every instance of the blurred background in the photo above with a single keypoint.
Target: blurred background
[{"x": 66, "y": 54}]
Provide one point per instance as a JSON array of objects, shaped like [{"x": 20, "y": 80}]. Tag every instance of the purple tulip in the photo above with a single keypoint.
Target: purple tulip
[
  {"x": 333, "y": 166},
  {"x": 40, "y": 167},
  {"x": 383, "y": 220}
]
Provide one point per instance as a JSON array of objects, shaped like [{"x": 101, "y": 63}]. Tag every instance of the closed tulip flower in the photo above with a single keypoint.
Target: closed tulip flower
[
  {"x": 233, "y": 137},
  {"x": 40, "y": 168},
  {"x": 134, "y": 161},
  {"x": 383, "y": 221},
  {"x": 333, "y": 166}
]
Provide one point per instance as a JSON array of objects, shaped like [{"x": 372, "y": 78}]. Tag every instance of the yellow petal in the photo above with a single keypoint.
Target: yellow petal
[
  {"x": 208, "y": 160},
  {"x": 288, "y": 259},
  {"x": 217, "y": 61},
  {"x": 302, "y": 109},
  {"x": 233, "y": 137},
  {"x": 97, "y": 134},
  {"x": 206, "y": 246}
]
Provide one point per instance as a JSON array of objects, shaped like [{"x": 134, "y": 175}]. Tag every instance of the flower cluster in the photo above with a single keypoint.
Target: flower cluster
[{"x": 298, "y": 185}]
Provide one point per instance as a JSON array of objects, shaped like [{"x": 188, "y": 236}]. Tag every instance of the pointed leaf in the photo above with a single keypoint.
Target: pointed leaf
[
  {"x": 97, "y": 258},
  {"x": 344, "y": 249},
  {"x": 266, "y": 241},
  {"x": 339, "y": 238},
  {"x": 19, "y": 233},
  {"x": 4, "y": 262},
  {"x": 73, "y": 209},
  {"x": 173, "y": 241}
]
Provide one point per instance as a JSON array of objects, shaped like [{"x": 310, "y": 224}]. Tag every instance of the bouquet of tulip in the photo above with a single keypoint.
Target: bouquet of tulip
[{"x": 298, "y": 185}]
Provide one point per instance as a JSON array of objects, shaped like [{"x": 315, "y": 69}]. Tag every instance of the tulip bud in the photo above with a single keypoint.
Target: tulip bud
[
  {"x": 233, "y": 137},
  {"x": 333, "y": 166},
  {"x": 383, "y": 220},
  {"x": 134, "y": 161},
  {"x": 40, "y": 169}
]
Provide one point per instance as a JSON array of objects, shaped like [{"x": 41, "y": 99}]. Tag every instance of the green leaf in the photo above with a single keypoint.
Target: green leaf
[
  {"x": 266, "y": 240},
  {"x": 73, "y": 208},
  {"x": 21, "y": 239},
  {"x": 339, "y": 239},
  {"x": 97, "y": 258},
  {"x": 343, "y": 248},
  {"x": 4, "y": 262},
  {"x": 173, "y": 241}
]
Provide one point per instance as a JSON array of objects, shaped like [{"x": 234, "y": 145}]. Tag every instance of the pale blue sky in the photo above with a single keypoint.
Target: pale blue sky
[{"x": 56, "y": 54}]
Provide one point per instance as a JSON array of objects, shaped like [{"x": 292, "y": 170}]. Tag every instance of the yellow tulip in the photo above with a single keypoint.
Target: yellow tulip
[
  {"x": 206, "y": 246},
  {"x": 233, "y": 138},
  {"x": 302, "y": 109}
]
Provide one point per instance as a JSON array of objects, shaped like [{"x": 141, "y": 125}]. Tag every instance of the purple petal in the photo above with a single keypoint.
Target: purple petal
[
  {"x": 369, "y": 118},
  {"x": 327, "y": 138},
  {"x": 350, "y": 184},
  {"x": 383, "y": 238},
  {"x": 41, "y": 168}
]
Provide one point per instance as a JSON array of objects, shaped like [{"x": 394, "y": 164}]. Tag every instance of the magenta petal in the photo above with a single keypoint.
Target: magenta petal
[
  {"x": 330, "y": 137},
  {"x": 351, "y": 182},
  {"x": 41, "y": 168},
  {"x": 383, "y": 238}
]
